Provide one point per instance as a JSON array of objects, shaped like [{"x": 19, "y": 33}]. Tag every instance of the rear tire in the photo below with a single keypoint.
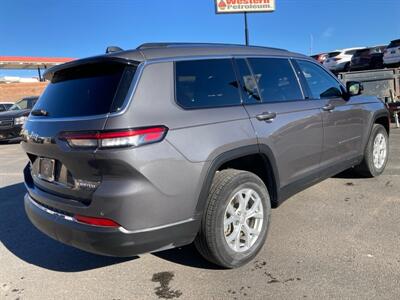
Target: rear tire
[
  {"x": 376, "y": 153},
  {"x": 236, "y": 220}
]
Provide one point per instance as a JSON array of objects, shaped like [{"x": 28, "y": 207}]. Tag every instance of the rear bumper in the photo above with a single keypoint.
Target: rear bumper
[
  {"x": 107, "y": 241},
  {"x": 391, "y": 60}
]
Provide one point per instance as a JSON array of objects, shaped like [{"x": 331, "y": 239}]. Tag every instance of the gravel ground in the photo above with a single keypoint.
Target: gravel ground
[{"x": 337, "y": 240}]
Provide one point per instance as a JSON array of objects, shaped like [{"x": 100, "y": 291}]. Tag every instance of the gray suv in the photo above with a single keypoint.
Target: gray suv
[{"x": 149, "y": 149}]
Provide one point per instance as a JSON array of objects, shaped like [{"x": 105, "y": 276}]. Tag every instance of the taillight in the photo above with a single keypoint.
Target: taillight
[
  {"x": 96, "y": 221},
  {"x": 115, "y": 139}
]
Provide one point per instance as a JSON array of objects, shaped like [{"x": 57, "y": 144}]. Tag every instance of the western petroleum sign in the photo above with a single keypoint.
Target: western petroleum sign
[{"x": 241, "y": 6}]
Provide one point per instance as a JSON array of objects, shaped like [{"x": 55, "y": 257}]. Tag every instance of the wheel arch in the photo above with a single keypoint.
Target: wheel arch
[
  {"x": 225, "y": 158},
  {"x": 381, "y": 117}
]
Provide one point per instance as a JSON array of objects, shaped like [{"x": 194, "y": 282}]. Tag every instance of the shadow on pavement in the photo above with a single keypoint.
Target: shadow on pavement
[
  {"x": 349, "y": 174},
  {"x": 187, "y": 256},
  {"x": 21, "y": 238}
]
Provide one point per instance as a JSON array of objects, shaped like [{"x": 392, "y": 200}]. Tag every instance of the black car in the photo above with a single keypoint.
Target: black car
[
  {"x": 367, "y": 59},
  {"x": 5, "y": 106},
  {"x": 11, "y": 121}
]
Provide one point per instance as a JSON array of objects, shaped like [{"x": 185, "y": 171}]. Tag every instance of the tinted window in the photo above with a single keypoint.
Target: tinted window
[
  {"x": 379, "y": 49},
  {"x": 361, "y": 52},
  {"x": 321, "y": 84},
  {"x": 276, "y": 80},
  {"x": 350, "y": 52},
  {"x": 2, "y": 108},
  {"x": 395, "y": 43},
  {"x": 247, "y": 83},
  {"x": 333, "y": 54},
  {"x": 31, "y": 103},
  {"x": 84, "y": 90},
  {"x": 206, "y": 83}
]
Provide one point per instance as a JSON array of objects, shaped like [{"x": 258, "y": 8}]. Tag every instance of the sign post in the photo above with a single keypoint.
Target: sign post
[
  {"x": 244, "y": 6},
  {"x": 246, "y": 29}
]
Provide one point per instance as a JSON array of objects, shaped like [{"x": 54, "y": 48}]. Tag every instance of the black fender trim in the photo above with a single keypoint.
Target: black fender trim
[
  {"x": 231, "y": 155},
  {"x": 382, "y": 113}
]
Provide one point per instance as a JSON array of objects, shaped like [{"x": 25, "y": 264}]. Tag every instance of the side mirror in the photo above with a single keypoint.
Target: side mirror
[{"x": 354, "y": 88}]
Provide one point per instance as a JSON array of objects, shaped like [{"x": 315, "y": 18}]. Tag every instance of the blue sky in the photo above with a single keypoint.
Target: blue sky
[{"x": 79, "y": 28}]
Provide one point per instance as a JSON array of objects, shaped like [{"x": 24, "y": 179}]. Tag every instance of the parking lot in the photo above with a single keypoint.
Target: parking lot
[{"x": 339, "y": 240}]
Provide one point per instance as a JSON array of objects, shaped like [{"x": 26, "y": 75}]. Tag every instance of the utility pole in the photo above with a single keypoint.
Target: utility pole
[
  {"x": 246, "y": 29},
  {"x": 311, "y": 44}
]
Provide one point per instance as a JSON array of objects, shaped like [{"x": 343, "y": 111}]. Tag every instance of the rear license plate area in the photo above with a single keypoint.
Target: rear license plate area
[{"x": 46, "y": 169}]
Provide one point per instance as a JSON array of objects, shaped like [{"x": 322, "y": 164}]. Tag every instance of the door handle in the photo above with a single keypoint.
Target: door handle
[
  {"x": 328, "y": 107},
  {"x": 266, "y": 116}
]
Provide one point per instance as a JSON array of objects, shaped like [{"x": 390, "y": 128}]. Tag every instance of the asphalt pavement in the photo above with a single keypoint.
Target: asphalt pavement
[{"x": 337, "y": 240}]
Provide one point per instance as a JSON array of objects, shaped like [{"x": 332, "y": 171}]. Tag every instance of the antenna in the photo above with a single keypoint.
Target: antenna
[{"x": 112, "y": 49}]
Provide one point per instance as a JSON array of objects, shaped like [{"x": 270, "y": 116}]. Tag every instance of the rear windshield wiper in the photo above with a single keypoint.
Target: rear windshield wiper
[{"x": 39, "y": 112}]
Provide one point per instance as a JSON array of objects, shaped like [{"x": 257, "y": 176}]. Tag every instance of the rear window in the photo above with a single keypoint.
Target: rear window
[
  {"x": 87, "y": 90},
  {"x": 333, "y": 54},
  {"x": 206, "y": 83},
  {"x": 395, "y": 43}
]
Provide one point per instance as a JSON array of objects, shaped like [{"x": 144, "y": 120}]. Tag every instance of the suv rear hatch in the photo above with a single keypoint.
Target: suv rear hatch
[{"x": 78, "y": 98}]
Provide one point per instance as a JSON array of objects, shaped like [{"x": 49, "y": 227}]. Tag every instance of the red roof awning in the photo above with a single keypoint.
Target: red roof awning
[{"x": 29, "y": 62}]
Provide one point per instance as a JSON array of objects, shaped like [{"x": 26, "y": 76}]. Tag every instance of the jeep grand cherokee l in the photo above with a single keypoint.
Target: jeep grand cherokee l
[{"x": 148, "y": 149}]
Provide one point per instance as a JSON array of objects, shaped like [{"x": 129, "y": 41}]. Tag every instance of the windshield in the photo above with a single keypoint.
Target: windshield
[
  {"x": 26, "y": 103},
  {"x": 86, "y": 90}
]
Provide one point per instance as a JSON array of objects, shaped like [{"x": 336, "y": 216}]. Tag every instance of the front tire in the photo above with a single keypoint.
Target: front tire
[
  {"x": 236, "y": 220},
  {"x": 376, "y": 153}
]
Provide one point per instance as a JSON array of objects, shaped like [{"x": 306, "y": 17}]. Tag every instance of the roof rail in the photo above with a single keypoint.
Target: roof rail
[{"x": 170, "y": 45}]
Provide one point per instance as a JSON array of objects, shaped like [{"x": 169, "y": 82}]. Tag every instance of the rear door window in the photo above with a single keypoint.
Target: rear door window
[
  {"x": 276, "y": 79},
  {"x": 86, "y": 90},
  {"x": 321, "y": 84},
  {"x": 206, "y": 83}
]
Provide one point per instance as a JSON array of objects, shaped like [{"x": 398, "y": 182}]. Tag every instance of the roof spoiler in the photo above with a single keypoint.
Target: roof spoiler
[{"x": 49, "y": 73}]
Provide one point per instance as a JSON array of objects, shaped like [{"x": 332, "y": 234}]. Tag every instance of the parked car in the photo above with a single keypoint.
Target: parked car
[
  {"x": 391, "y": 56},
  {"x": 367, "y": 59},
  {"x": 320, "y": 57},
  {"x": 5, "y": 106},
  {"x": 339, "y": 60},
  {"x": 120, "y": 165},
  {"x": 11, "y": 121}
]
